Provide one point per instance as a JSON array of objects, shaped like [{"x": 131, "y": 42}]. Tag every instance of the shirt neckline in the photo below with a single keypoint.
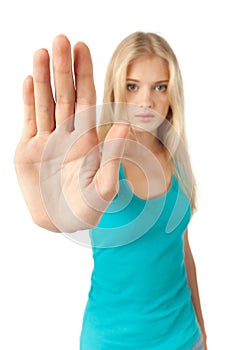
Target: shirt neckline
[{"x": 140, "y": 199}]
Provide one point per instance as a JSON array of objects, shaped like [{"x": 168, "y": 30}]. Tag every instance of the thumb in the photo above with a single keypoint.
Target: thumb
[{"x": 112, "y": 153}]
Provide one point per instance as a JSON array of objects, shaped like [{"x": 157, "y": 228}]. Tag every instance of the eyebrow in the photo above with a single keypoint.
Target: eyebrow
[{"x": 157, "y": 82}]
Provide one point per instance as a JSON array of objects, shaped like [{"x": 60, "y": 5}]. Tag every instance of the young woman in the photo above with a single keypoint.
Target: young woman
[{"x": 130, "y": 183}]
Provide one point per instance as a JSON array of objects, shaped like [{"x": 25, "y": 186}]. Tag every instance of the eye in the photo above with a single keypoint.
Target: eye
[
  {"x": 160, "y": 88},
  {"x": 132, "y": 87}
]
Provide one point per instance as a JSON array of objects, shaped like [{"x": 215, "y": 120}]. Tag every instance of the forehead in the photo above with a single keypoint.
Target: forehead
[{"x": 153, "y": 66}]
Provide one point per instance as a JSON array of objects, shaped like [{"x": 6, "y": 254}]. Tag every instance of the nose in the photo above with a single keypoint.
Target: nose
[{"x": 146, "y": 99}]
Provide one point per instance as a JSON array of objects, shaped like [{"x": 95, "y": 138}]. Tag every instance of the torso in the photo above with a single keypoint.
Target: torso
[{"x": 139, "y": 296}]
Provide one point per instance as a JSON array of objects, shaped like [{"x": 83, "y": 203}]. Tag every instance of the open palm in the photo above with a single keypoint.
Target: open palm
[{"x": 65, "y": 181}]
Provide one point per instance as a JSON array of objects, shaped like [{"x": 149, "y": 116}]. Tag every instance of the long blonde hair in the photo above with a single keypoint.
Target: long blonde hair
[{"x": 174, "y": 137}]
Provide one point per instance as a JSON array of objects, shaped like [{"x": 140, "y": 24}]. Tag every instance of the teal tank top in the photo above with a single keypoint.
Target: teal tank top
[{"x": 139, "y": 297}]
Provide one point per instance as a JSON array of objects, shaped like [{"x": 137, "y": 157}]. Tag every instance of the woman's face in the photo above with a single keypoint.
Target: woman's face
[{"x": 146, "y": 87}]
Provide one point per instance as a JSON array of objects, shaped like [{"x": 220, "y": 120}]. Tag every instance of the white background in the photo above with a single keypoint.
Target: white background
[{"x": 45, "y": 277}]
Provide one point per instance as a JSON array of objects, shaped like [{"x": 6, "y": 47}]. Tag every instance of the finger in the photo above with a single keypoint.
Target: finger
[
  {"x": 113, "y": 150},
  {"x": 29, "y": 129},
  {"x": 63, "y": 79},
  {"x": 44, "y": 102},
  {"x": 85, "y": 95},
  {"x": 84, "y": 82}
]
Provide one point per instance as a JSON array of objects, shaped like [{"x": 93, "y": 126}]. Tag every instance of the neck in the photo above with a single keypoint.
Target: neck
[{"x": 148, "y": 140}]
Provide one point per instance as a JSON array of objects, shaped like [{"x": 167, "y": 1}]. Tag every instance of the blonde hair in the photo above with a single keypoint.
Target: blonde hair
[{"x": 173, "y": 136}]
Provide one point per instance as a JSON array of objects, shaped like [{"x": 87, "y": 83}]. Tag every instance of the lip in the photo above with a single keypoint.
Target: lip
[{"x": 144, "y": 117}]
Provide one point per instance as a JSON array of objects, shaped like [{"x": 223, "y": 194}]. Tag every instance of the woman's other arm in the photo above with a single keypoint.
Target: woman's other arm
[{"x": 192, "y": 281}]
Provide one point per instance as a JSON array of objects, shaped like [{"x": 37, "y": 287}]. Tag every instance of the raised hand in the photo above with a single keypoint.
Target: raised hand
[{"x": 66, "y": 182}]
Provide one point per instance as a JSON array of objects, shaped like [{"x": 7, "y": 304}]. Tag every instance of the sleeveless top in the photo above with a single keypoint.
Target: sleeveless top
[{"x": 139, "y": 297}]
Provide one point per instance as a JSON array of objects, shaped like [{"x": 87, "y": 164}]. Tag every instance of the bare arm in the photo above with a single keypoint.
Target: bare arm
[{"x": 192, "y": 281}]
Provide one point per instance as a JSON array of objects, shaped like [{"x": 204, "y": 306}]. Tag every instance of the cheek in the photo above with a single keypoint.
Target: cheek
[
  {"x": 167, "y": 108},
  {"x": 163, "y": 106},
  {"x": 130, "y": 97}
]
